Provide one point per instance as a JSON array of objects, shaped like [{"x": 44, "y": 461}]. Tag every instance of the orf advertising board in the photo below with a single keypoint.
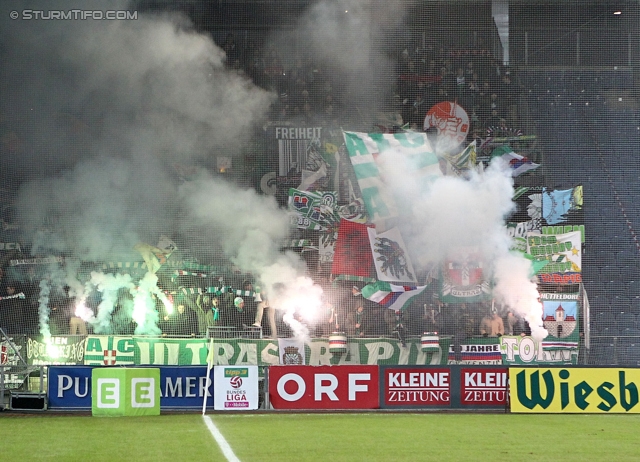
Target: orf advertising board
[
  {"x": 324, "y": 387},
  {"x": 69, "y": 387},
  {"x": 235, "y": 388},
  {"x": 416, "y": 387}
]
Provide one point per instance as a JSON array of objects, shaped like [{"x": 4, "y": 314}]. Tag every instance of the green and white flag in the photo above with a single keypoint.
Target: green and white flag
[
  {"x": 563, "y": 251},
  {"x": 365, "y": 148}
]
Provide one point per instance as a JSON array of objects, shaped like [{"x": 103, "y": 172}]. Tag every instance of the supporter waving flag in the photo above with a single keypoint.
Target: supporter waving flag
[
  {"x": 519, "y": 164},
  {"x": 396, "y": 298}
]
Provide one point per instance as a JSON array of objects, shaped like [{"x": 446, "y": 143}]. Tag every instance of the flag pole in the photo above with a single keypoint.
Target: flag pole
[{"x": 208, "y": 380}]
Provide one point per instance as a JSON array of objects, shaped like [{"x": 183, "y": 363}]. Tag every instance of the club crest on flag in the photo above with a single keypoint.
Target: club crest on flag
[
  {"x": 390, "y": 256},
  {"x": 292, "y": 356},
  {"x": 450, "y": 119},
  {"x": 463, "y": 278},
  {"x": 109, "y": 357}
]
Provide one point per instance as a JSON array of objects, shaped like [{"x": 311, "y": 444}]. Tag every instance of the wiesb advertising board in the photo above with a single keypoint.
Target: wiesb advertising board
[{"x": 575, "y": 390}]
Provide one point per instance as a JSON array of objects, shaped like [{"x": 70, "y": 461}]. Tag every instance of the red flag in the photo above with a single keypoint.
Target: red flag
[{"x": 352, "y": 250}]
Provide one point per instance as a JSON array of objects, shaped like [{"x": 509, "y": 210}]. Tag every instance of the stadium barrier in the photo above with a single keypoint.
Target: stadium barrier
[
  {"x": 126, "y": 350},
  {"x": 388, "y": 387},
  {"x": 519, "y": 389}
]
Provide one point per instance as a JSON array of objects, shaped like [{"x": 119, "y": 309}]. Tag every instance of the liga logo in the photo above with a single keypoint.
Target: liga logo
[{"x": 235, "y": 382}]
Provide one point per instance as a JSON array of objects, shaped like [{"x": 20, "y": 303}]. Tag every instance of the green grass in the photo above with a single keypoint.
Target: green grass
[{"x": 325, "y": 437}]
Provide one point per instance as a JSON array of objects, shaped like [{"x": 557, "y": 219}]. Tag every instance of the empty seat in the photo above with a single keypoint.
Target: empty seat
[
  {"x": 609, "y": 331},
  {"x": 625, "y": 319},
  {"x": 602, "y": 354},
  {"x": 609, "y": 273},
  {"x": 630, "y": 333}
]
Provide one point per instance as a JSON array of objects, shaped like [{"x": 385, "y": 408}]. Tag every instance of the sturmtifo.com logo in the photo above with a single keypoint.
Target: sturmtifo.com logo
[{"x": 70, "y": 15}]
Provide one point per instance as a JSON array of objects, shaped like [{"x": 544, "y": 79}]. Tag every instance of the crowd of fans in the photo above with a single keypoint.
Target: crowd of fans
[
  {"x": 308, "y": 96},
  {"x": 310, "y": 92},
  {"x": 197, "y": 312}
]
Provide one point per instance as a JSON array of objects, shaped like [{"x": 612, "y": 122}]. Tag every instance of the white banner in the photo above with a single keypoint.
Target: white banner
[
  {"x": 390, "y": 256},
  {"x": 235, "y": 388},
  {"x": 291, "y": 351}
]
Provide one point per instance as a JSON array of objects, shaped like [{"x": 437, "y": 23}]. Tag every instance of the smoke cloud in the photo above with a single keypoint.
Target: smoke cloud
[{"x": 107, "y": 111}]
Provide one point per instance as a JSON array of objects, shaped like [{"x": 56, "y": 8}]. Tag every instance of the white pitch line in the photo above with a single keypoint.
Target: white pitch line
[{"x": 224, "y": 446}]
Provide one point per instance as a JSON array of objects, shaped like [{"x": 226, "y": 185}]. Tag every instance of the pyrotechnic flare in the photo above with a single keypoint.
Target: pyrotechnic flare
[
  {"x": 43, "y": 308},
  {"x": 145, "y": 313}
]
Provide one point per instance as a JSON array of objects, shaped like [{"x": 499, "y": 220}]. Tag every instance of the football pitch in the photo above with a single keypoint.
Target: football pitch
[{"x": 321, "y": 437}]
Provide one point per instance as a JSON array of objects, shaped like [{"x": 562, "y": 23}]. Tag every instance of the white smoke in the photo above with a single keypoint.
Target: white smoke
[
  {"x": 142, "y": 98},
  {"x": 112, "y": 108},
  {"x": 108, "y": 285},
  {"x": 251, "y": 229},
  {"x": 450, "y": 213},
  {"x": 43, "y": 308},
  {"x": 145, "y": 313}
]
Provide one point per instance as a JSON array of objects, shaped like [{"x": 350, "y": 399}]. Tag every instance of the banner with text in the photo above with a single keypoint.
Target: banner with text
[
  {"x": 110, "y": 350},
  {"x": 574, "y": 390}
]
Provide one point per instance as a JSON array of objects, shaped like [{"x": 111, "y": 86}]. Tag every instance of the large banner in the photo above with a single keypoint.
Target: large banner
[
  {"x": 574, "y": 390},
  {"x": 364, "y": 149},
  {"x": 352, "y": 253},
  {"x": 477, "y": 350},
  {"x": 451, "y": 121},
  {"x": 314, "y": 210},
  {"x": 562, "y": 251},
  {"x": 118, "y": 350},
  {"x": 561, "y": 319},
  {"x": 110, "y": 350},
  {"x": 516, "y": 350},
  {"x": 390, "y": 256},
  {"x": 294, "y": 144},
  {"x": 562, "y": 206}
]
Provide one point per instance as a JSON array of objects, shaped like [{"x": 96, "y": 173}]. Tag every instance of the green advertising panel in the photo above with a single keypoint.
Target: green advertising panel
[{"x": 125, "y": 391}]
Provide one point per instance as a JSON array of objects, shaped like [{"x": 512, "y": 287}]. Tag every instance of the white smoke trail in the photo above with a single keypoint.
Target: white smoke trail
[
  {"x": 43, "y": 309},
  {"x": 515, "y": 289},
  {"x": 145, "y": 313},
  {"x": 108, "y": 285},
  {"x": 251, "y": 229}
]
